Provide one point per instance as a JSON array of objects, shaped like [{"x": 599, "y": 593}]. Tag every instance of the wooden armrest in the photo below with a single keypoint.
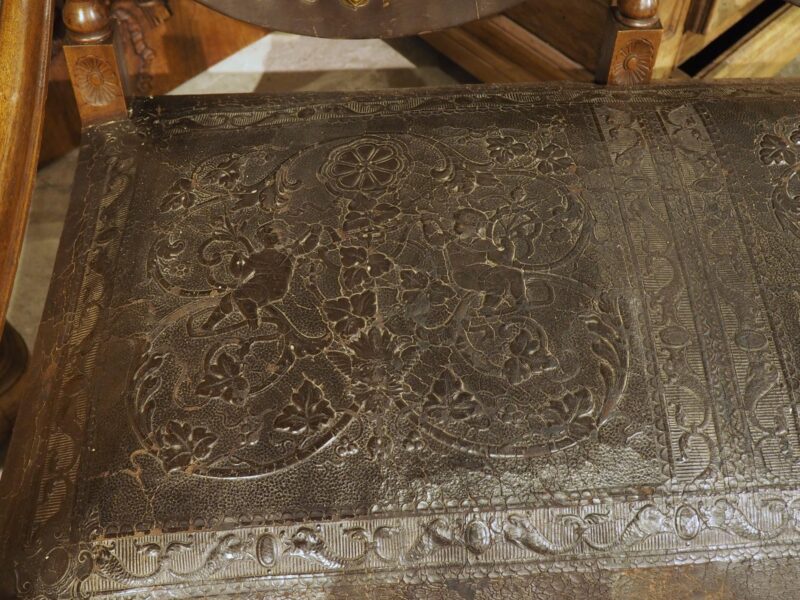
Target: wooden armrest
[{"x": 25, "y": 35}]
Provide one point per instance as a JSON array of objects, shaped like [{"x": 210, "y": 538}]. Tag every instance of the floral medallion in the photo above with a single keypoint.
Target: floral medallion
[
  {"x": 780, "y": 151},
  {"x": 426, "y": 314},
  {"x": 96, "y": 80},
  {"x": 633, "y": 62}
]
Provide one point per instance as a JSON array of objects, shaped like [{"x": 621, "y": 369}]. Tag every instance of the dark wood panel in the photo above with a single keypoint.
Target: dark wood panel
[
  {"x": 360, "y": 18},
  {"x": 574, "y": 27}
]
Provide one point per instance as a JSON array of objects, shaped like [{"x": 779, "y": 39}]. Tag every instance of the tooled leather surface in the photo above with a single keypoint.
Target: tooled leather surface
[{"x": 326, "y": 344}]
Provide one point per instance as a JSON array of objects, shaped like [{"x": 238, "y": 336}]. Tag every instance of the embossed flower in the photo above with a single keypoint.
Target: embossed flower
[
  {"x": 570, "y": 416},
  {"x": 375, "y": 345},
  {"x": 306, "y": 539},
  {"x": 421, "y": 296},
  {"x": 224, "y": 380},
  {"x": 469, "y": 224},
  {"x": 378, "y": 359},
  {"x": 774, "y": 150},
  {"x": 308, "y": 412},
  {"x": 346, "y": 448},
  {"x": 360, "y": 266},
  {"x": 632, "y": 63},
  {"x": 368, "y": 165},
  {"x": 180, "y": 445},
  {"x": 504, "y": 148},
  {"x": 348, "y": 314},
  {"x": 96, "y": 80},
  {"x": 552, "y": 158}
]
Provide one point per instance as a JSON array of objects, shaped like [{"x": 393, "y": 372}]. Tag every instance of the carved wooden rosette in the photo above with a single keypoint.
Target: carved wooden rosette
[
  {"x": 92, "y": 62},
  {"x": 630, "y": 48}
]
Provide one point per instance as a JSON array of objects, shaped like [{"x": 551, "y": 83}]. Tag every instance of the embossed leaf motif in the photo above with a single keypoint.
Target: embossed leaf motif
[
  {"x": 360, "y": 266},
  {"x": 775, "y": 151},
  {"x": 466, "y": 180},
  {"x": 348, "y": 314},
  {"x": 504, "y": 148},
  {"x": 528, "y": 357},
  {"x": 377, "y": 353},
  {"x": 517, "y": 367},
  {"x": 374, "y": 345},
  {"x": 366, "y": 220},
  {"x": 354, "y": 4},
  {"x": 224, "y": 380},
  {"x": 180, "y": 195},
  {"x": 180, "y": 444},
  {"x": 308, "y": 412},
  {"x": 449, "y": 400},
  {"x": 553, "y": 158},
  {"x": 570, "y": 415}
]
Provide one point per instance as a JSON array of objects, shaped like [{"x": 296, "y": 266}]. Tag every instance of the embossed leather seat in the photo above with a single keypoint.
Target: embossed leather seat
[{"x": 496, "y": 342}]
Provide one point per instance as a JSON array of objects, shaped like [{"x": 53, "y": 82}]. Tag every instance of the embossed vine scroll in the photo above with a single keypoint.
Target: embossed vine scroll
[{"x": 430, "y": 340}]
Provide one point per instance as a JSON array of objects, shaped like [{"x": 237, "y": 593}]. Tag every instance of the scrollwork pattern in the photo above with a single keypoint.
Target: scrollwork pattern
[
  {"x": 780, "y": 151},
  {"x": 374, "y": 319},
  {"x": 528, "y": 355},
  {"x": 469, "y": 540}
]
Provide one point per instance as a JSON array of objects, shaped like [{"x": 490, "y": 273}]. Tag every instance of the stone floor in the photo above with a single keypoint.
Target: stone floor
[{"x": 278, "y": 62}]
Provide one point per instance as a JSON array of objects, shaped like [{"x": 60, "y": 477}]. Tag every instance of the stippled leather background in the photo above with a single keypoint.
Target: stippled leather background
[{"x": 416, "y": 341}]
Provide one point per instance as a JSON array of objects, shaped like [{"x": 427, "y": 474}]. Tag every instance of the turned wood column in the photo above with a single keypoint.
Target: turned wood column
[
  {"x": 629, "y": 50},
  {"x": 92, "y": 62}
]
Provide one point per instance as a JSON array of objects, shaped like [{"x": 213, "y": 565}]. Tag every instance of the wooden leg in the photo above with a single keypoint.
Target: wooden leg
[
  {"x": 13, "y": 362},
  {"x": 629, "y": 51}
]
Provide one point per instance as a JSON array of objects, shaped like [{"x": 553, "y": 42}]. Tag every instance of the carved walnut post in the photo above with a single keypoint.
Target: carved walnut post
[
  {"x": 629, "y": 50},
  {"x": 92, "y": 62}
]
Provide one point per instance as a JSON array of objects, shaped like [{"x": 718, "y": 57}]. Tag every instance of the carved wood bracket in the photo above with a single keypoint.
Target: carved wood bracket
[{"x": 629, "y": 51}]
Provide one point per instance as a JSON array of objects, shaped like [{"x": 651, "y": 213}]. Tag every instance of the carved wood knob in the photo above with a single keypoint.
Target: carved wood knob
[
  {"x": 87, "y": 21},
  {"x": 637, "y": 13}
]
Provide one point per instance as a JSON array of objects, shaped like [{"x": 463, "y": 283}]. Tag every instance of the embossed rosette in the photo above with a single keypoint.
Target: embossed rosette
[{"x": 339, "y": 309}]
